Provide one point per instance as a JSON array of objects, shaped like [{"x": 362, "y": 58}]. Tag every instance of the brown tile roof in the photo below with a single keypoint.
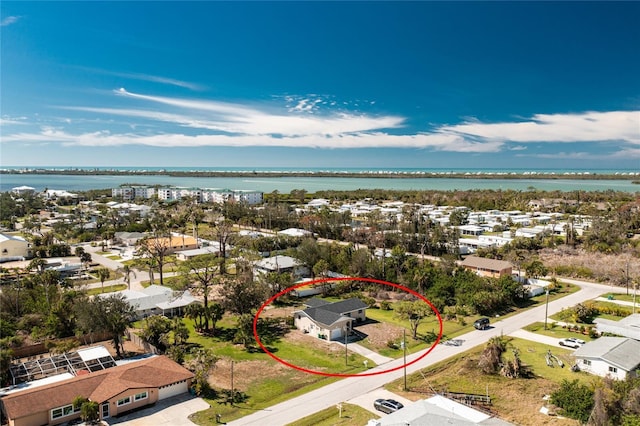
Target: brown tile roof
[
  {"x": 98, "y": 386},
  {"x": 484, "y": 263}
]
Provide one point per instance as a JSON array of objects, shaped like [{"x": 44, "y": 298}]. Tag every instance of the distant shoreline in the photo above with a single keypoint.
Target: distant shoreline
[{"x": 334, "y": 174}]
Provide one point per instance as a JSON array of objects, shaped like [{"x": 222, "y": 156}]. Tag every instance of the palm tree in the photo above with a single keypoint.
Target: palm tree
[
  {"x": 103, "y": 274},
  {"x": 127, "y": 271}
]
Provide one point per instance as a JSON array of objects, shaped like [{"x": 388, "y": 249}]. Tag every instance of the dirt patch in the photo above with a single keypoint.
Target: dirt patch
[
  {"x": 244, "y": 373},
  {"x": 247, "y": 372},
  {"x": 607, "y": 268},
  {"x": 378, "y": 334}
]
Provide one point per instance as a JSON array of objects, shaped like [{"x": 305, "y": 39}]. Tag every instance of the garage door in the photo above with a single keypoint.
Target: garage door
[
  {"x": 336, "y": 334},
  {"x": 172, "y": 390}
]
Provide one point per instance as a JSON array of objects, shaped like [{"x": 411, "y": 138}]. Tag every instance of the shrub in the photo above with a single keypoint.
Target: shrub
[
  {"x": 385, "y": 305},
  {"x": 575, "y": 399}
]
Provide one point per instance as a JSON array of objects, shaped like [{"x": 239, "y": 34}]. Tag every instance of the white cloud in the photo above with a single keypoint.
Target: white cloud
[
  {"x": 583, "y": 127},
  {"x": 6, "y": 120},
  {"x": 236, "y": 124},
  {"x": 146, "y": 77},
  {"x": 9, "y": 20}
]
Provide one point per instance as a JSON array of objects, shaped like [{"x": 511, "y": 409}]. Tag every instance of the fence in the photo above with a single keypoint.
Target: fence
[{"x": 141, "y": 343}]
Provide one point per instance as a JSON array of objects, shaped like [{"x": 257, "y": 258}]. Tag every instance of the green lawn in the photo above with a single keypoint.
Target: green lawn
[
  {"x": 622, "y": 296},
  {"x": 430, "y": 324},
  {"x": 555, "y": 331},
  {"x": 515, "y": 400},
  {"x": 450, "y": 329},
  {"x": 114, "y": 257},
  {"x": 351, "y": 415},
  {"x": 107, "y": 289},
  {"x": 272, "y": 384},
  {"x": 560, "y": 316}
]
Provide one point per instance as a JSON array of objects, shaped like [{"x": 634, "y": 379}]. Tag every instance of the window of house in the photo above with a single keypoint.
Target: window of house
[
  {"x": 359, "y": 311},
  {"x": 124, "y": 401},
  {"x": 613, "y": 370},
  {"x": 586, "y": 362},
  {"x": 139, "y": 396},
  {"x": 67, "y": 410}
]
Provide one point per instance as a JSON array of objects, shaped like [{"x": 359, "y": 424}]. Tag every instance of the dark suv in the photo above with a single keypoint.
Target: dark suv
[
  {"x": 481, "y": 323},
  {"x": 387, "y": 405}
]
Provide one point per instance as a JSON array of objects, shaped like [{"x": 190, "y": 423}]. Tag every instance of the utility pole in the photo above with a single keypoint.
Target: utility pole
[
  {"x": 635, "y": 290},
  {"x": 346, "y": 362},
  {"x": 627, "y": 277},
  {"x": 404, "y": 347},
  {"x": 546, "y": 309}
]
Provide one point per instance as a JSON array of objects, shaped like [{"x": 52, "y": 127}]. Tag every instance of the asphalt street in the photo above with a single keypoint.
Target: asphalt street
[{"x": 356, "y": 388}]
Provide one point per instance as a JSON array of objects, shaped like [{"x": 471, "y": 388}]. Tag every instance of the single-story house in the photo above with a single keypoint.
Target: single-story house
[
  {"x": 21, "y": 190},
  {"x": 156, "y": 300},
  {"x": 626, "y": 327},
  {"x": 617, "y": 357},
  {"x": 487, "y": 267},
  {"x": 280, "y": 264},
  {"x": 116, "y": 390},
  {"x": 128, "y": 238},
  {"x": 327, "y": 320},
  {"x": 172, "y": 244},
  {"x": 13, "y": 247},
  {"x": 209, "y": 247},
  {"x": 295, "y": 232},
  {"x": 438, "y": 410}
]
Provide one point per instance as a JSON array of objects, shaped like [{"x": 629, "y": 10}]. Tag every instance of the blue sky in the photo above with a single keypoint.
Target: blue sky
[{"x": 321, "y": 84}]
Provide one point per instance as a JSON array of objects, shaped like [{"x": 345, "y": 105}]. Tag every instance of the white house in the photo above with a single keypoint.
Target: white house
[
  {"x": 617, "y": 357},
  {"x": 13, "y": 247},
  {"x": 280, "y": 264},
  {"x": 21, "y": 190},
  {"x": 156, "y": 300},
  {"x": 329, "y": 321},
  {"x": 626, "y": 327},
  {"x": 212, "y": 248},
  {"x": 295, "y": 232},
  {"x": 438, "y": 410}
]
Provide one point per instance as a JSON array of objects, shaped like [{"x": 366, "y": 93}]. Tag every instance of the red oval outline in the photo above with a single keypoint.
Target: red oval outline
[{"x": 320, "y": 373}]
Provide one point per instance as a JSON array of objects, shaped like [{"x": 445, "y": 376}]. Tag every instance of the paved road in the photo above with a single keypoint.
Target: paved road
[{"x": 354, "y": 388}]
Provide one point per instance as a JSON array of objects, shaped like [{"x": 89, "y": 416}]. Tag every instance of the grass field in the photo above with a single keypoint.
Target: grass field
[
  {"x": 107, "y": 289},
  {"x": 515, "y": 400},
  {"x": 260, "y": 378},
  {"x": 555, "y": 331},
  {"x": 622, "y": 296},
  {"x": 351, "y": 415}
]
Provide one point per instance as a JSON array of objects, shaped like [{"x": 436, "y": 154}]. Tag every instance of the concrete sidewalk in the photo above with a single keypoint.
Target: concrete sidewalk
[
  {"x": 618, "y": 302},
  {"x": 535, "y": 337},
  {"x": 367, "y": 353}
]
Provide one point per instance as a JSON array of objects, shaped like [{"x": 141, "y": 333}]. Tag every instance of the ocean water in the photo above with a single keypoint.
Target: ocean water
[{"x": 310, "y": 184}]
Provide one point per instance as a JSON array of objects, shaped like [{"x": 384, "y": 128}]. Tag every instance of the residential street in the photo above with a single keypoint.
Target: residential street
[
  {"x": 364, "y": 390},
  {"x": 355, "y": 389}
]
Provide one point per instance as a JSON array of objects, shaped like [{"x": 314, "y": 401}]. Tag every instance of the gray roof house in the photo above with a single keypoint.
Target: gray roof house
[
  {"x": 280, "y": 264},
  {"x": 327, "y": 320},
  {"x": 626, "y": 327},
  {"x": 438, "y": 410},
  {"x": 617, "y": 357},
  {"x": 156, "y": 300}
]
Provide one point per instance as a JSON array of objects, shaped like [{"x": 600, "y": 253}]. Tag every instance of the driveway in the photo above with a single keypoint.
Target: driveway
[
  {"x": 168, "y": 412},
  {"x": 366, "y": 400},
  {"x": 535, "y": 337}
]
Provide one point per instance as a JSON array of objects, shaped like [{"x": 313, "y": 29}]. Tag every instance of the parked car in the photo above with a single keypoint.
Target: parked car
[
  {"x": 481, "y": 323},
  {"x": 571, "y": 342},
  {"x": 387, "y": 405}
]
